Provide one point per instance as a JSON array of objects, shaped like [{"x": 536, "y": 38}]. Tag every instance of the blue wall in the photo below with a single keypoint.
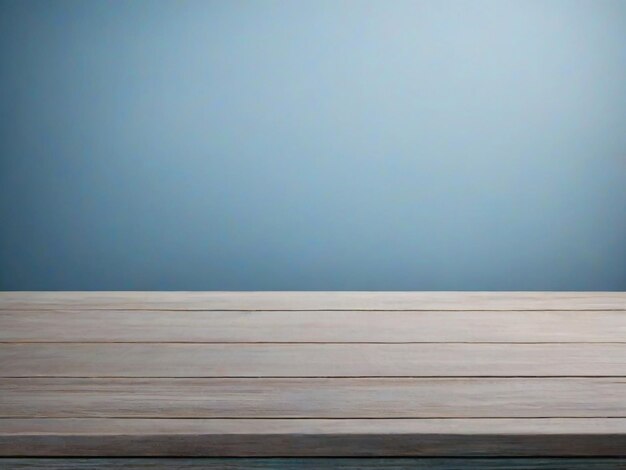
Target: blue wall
[{"x": 344, "y": 144}]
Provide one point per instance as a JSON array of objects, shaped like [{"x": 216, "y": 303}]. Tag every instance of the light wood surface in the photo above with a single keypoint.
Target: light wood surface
[
  {"x": 343, "y": 326},
  {"x": 312, "y": 360},
  {"x": 312, "y": 374},
  {"x": 315, "y": 300},
  {"x": 313, "y": 398}
]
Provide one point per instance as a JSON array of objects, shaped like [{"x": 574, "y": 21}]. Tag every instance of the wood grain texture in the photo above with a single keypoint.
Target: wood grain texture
[
  {"x": 384, "y": 437},
  {"x": 313, "y": 398},
  {"x": 312, "y": 326},
  {"x": 314, "y": 463},
  {"x": 315, "y": 300},
  {"x": 312, "y": 374},
  {"x": 311, "y": 360}
]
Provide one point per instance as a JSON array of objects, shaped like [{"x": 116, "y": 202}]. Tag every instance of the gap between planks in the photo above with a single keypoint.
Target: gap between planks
[
  {"x": 316, "y": 463},
  {"x": 29, "y": 308}
]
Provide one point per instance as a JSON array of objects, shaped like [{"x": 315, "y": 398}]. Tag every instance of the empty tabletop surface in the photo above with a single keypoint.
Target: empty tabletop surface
[{"x": 313, "y": 374}]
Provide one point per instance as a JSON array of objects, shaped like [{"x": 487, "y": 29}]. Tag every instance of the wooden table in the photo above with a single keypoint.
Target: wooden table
[{"x": 313, "y": 374}]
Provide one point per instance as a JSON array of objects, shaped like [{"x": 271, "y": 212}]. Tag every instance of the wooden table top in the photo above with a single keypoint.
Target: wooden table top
[{"x": 472, "y": 374}]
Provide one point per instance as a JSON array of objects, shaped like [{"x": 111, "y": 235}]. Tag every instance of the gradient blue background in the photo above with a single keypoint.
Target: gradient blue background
[{"x": 339, "y": 145}]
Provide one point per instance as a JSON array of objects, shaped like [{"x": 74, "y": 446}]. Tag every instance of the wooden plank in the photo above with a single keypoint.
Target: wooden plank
[
  {"x": 400, "y": 463},
  {"x": 276, "y": 437},
  {"x": 311, "y": 360},
  {"x": 313, "y": 398},
  {"x": 319, "y": 326},
  {"x": 315, "y": 300},
  {"x": 313, "y": 374}
]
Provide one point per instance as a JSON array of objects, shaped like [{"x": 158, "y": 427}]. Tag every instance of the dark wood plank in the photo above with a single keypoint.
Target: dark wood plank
[
  {"x": 315, "y": 463},
  {"x": 395, "y": 437},
  {"x": 315, "y": 300},
  {"x": 311, "y": 360},
  {"x": 313, "y": 398},
  {"x": 318, "y": 326}
]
